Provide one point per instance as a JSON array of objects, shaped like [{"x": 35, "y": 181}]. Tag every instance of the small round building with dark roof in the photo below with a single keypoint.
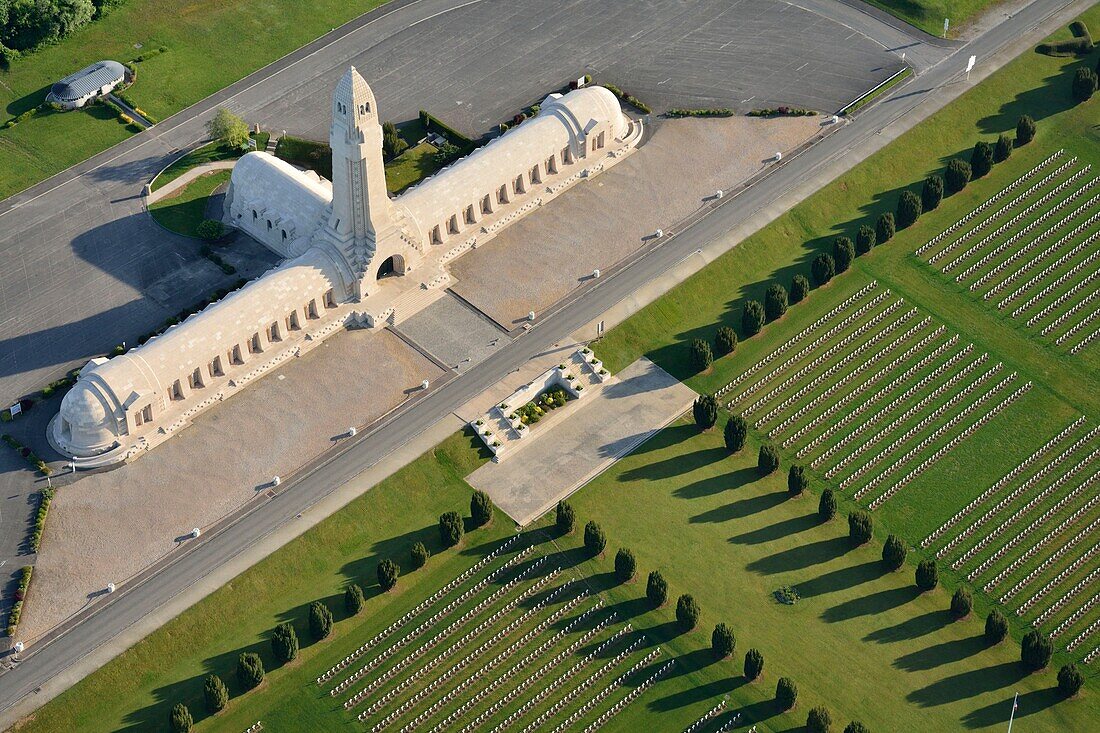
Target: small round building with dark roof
[{"x": 76, "y": 90}]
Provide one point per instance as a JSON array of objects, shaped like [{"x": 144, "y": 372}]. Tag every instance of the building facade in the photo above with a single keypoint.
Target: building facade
[{"x": 352, "y": 252}]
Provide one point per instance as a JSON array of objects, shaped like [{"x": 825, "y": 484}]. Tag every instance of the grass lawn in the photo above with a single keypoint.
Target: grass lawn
[
  {"x": 209, "y": 153},
  {"x": 210, "y": 45},
  {"x": 407, "y": 169},
  {"x": 184, "y": 210},
  {"x": 928, "y": 15}
]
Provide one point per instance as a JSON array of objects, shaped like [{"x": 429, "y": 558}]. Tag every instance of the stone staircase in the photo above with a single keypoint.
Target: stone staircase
[{"x": 411, "y": 302}]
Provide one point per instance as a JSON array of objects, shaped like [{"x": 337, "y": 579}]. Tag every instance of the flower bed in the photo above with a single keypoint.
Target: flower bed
[
  {"x": 28, "y": 455},
  {"x": 20, "y": 595},
  {"x": 45, "y": 498},
  {"x": 543, "y": 403}
]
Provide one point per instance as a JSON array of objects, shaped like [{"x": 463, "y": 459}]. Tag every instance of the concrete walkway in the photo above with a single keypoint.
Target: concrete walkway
[
  {"x": 601, "y": 430},
  {"x": 174, "y": 186}
]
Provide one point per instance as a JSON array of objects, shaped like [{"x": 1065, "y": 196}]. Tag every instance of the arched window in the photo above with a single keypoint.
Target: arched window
[
  {"x": 452, "y": 225},
  {"x": 470, "y": 215},
  {"x": 255, "y": 216}
]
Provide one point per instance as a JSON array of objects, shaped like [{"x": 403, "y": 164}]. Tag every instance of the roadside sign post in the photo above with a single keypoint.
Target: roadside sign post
[
  {"x": 969, "y": 66},
  {"x": 599, "y": 330},
  {"x": 946, "y": 25}
]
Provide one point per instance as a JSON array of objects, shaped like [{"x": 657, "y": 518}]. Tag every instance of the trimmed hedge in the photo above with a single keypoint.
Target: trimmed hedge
[
  {"x": 45, "y": 497},
  {"x": 20, "y": 596},
  {"x": 629, "y": 98},
  {"x": 716, "y": 112},
  {"x": 1081, "y": 45},
  {"x": 434, "y": 124}
]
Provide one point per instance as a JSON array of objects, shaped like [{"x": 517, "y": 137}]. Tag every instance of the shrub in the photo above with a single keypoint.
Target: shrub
[
  {"x": 797, "y": 480},
  {"x": 419, "y": 555},
  {"x": 1002, "y": 151},
  {"x": 956, "y": 176},
  {"x": 752, "y": 318},
  {"x": 1036, "y": 650},
  {"x": 928, "y": 575},
  {"x": 215, "y": 693},
  {"x": 823, "y": 268},
  {"x": 909, "y": 209},
  {"x": 893, "y": 553},
  {"x": 284, "y": 643},
  {"x": 860, "y": 527},
  {"x": 736, "y": 430},
  {"x": 388, "y": 571},
  {"x": 819, "y": 720},
  {"x": 353, "y": 599},
  {"x": 722, "y": 641},
  {"x": 594, "y": 539},
  {"x": 800, "y": 288},
  {"x": 1084, "y": 84},
  {"x": 775, "y": 301},
  {"x": 996, "y": 627},
  {"x": 843, "y": 253},
  {"x": 961, "y": 603},
  {"x": 179, "y": 720},
  {"x": 865, "y": 239},
  {"x": 481, "y": 508},
  {"x": 450, "y": 529},
  {"x": 754, "y": 664},
  {"x": 826, "y": 507},
  {"x": 981, "y": 160},
  {"x": 250, "y": 670},
  {"x": 786, "y": 693},
  {"x": 320, "y": 620},
  {"x": 210, "y": 230},
  {"x": 1080, "y": 45},
  {"x": 565, "y": 519},
  {"x": 932, "y": 193},
  {"x": 625, "y": 565},
  {"x": 705, "y": 411},
  {"x": 656, "y": 589},
  {"x": 1025, "y": 130},
  {"x": 885, "y": 227},
  {"x": 767, "y": 460},
  {"x": 701, "y": 356},
  {"x": 725, "y": 341},
  {"x": 1070, "y": 680},
  {"x": 856, "y": 727},
  {"x": 687, "y": 612}
]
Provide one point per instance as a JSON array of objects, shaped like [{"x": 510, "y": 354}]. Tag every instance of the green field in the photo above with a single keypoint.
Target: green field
[
  {"x": 928, "y": 15},
  {"x": 210, "y": 45},
  {"x": 184, "y": 210},
  {"x": 210, "y": 153}
]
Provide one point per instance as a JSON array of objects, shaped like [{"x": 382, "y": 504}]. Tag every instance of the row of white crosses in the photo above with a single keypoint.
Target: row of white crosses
[
  {"x": 908, "y": 414},
  {"x": 523, "y": 663},
  {"x": 1040, "y": 521},
  {"x": 484, "y": 624},
  {"x": 1075, "y": 616},
  {"x": 1054, "y": 582},
  {"x": 839, "y": 365},
  {"x": 890, "y": 387},
  {"x": 935, "y": 435},
  {"x": 1064, "y": 297},
  {"x": 868, "y": 364},
  {"x": 940, "y": 452},
  {"x": 1004, "y": 524},
  {"x": 1049, "y": 269},
  {"x": 1092, "y": 656},
  {"x": 705, "y": 717},
  {"x": 1006, "y": 481},
  {"x": 1036, "y": 241},
  {"x": 553, "y": 664},
  {"x": 1065, "y": 598},
  {"x": 421, "y": 607},
  {"x": 994, "y": 199},
  {"x": 781, "y": 349},
  {"x": 1027, "y": 229},
  {"x": 1066, "y": 315},
  {"x": 1047, "y": 563},
  {"x": 1031, "y": 209},
  {"x": 255, "y": 727},
  {"x": 732, "y": 723},
  {"x": 455, "y": 670},
  {"x": 597, "y": 698},
  {"x": 825, "y": 355},
  {"x": 1083, "y": 636},
  {"x": 1028, "y": 265},
  {"x": 1085, "y": 343},
  {"x": 631, "y": 696},
  {"x": 562, "y": 679}
]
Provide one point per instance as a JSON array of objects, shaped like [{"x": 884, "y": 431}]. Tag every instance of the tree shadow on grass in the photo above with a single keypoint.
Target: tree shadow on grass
[
  {"x": 675, "y": 466},
  {"x": 912, "y": 628},
  {"x": 997, "y": 714},
  {"x": 689, "y": 664},
  {"x": 1050, "y": 98},
  {"x": 874, "y": 604},
  {"x": 968, "y": 684},
  {"x": 841, "y": 579},
  {"x": 718, "y": 484},
  {"x": 800, "y": 557},
  {"x": 947, "y": 652},
  {"x": 741, "y": 508},
  {"x": 779, "y": 530}
]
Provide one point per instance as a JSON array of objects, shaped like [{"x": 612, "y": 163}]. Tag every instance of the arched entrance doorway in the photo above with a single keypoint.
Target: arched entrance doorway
[{"x": 392, "y": 265}]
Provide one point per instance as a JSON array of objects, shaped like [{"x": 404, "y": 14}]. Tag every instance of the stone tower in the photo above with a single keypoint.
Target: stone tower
[{"x": 361, "y": 215}]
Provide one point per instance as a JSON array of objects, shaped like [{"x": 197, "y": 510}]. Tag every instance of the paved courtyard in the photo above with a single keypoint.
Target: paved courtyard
[
  {"x": 642, "y": 399},
  {"x": 454, "y": 333},
  {"x": 109, "y": 526},
  {"x": 543, "y": 257}
]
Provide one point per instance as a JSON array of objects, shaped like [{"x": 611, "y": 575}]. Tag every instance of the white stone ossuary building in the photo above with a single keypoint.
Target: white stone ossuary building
[{"x": 354, "y": 257}]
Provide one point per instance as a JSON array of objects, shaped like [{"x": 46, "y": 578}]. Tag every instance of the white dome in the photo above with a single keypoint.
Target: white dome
[{"x": 83, "y": 408}]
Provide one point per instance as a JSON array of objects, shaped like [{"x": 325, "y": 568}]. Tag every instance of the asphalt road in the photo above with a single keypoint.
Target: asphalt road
[
  {"x": 937, "y": 86},
  {"x": 86, "y": 268}
]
